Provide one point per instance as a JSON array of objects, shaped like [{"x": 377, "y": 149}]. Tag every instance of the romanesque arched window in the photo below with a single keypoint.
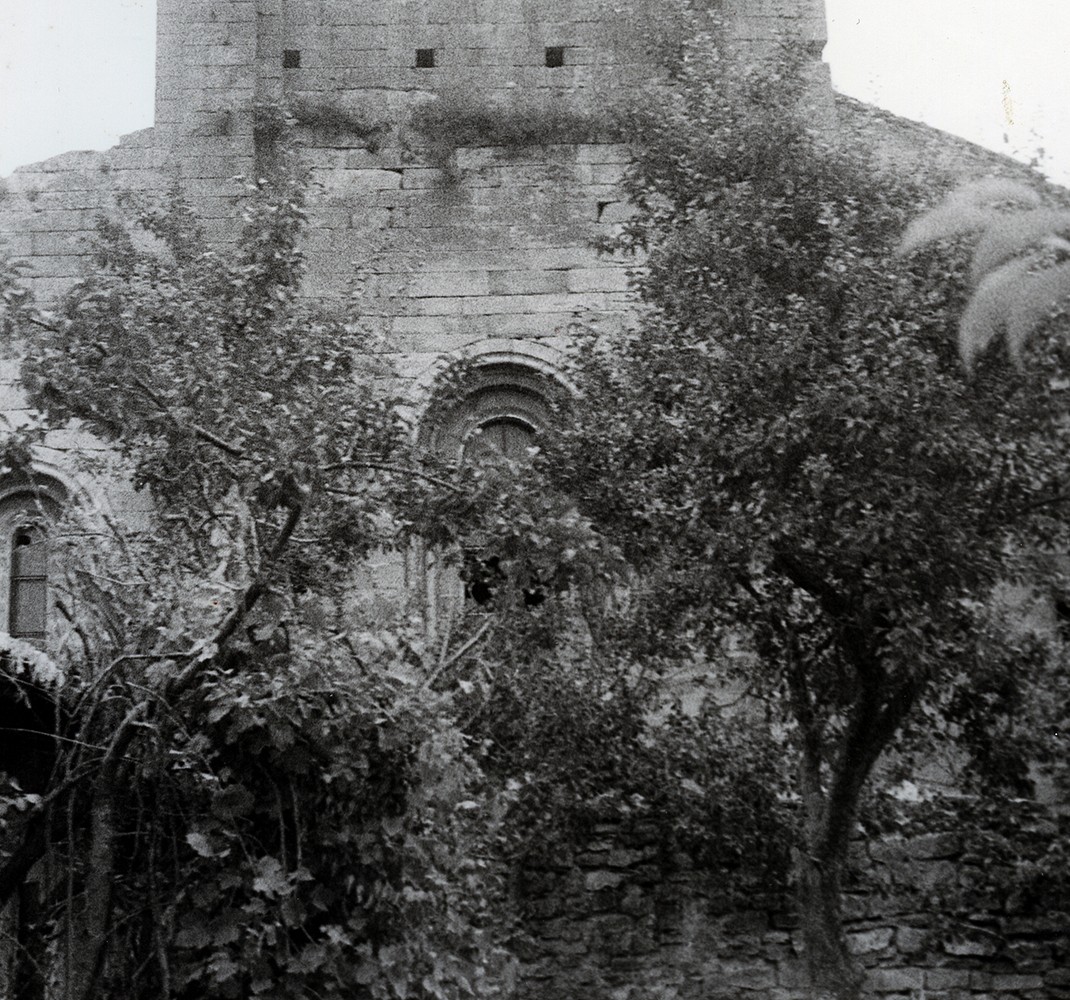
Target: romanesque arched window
[
  {"x": 493, "y": 416},
  {"x": 28, "y": 582},
  {"x": 28, "y": 514},
  {"x": 499, "y": 412}
]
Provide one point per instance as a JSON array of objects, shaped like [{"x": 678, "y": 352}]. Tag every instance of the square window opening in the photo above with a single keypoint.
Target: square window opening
[
  {"x": 555, "y": 56},
  {"x": 425, "y": 58},
  {"x": 291, "y": 58}
]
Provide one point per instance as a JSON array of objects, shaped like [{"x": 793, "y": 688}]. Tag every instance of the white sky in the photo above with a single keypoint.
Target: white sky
[{"x": 76, "y": 74}]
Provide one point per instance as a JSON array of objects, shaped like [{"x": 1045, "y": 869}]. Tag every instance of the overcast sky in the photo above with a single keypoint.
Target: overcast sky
[{"x": 76, "y": 74}]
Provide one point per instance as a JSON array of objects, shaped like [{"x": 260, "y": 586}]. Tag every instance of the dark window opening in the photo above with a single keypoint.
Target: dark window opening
[
  {"x": 498, "y": 438},
  {"x": 291, "y": 59},
  {"x": 555, "y": 56},
  {"x": 425, "y": 58},
  {"x": 504, "y": 438},
  {"x": 483, "y": 577},
  {"x": 29, "y": 584}
]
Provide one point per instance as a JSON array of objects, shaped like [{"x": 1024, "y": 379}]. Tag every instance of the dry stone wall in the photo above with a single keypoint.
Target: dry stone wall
[{"x": 617, "y": 919}]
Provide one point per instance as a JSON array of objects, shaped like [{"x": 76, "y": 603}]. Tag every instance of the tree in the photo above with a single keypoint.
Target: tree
[
  {"x": 788, "y": 453},
  {"x": 254, "y": 789}
]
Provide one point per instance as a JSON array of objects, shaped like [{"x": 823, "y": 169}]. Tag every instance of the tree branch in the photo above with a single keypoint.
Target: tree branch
[
  {"x": 815, "y": 584},
  {"x": 248, "y": 600},
  {"x": 199, "y": 432},
  {"x": 387, "y": 467}
]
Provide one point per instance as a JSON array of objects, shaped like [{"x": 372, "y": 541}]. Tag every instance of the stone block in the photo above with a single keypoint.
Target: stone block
[
  {"x": 58, "y": 243},
  {"x": 896, "y": 980},
  {"x": 792, "y": 975},
  {"x": 422, "y": 177},
  {"x": 935, "y": 845},
  {"x": 888, "y": 851},
  {"x": 910, "y": 940},
  {"x": 449, "y": 284},
  {"x": 598, "y": 279},
  {"x": 1014, "y": 983},
  {"x": 947, "y": 979},
  {"x": 361, "y": 179},
  {"x": 528, "y": 282},
  {"x": 865, "y": 942},
  {"x": 970, "y": 947},
  {"x": 749, "y": 974},
  {"x": 598, "y": 880},
  {"x": 624, "y": 858},
  {"x": 616, "y": 212}
]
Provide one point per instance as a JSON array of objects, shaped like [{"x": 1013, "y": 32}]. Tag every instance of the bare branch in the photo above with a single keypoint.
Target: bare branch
[{"x": 387, "y": 467}]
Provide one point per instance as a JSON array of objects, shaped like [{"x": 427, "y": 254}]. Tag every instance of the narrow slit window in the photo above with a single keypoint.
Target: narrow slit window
[
  {"x": 555, "y": 56},
  {"x": 425, "y": 58},
  {"x": 29, "y": 583},
  {"x": 291, "y": 59}
]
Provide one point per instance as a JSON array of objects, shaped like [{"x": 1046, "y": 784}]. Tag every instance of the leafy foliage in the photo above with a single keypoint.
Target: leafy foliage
[
  {"x": 782, "y": 478},
  {"x": 454, "y": 120},
  {"x": 252, "y": 793},
  {"x": 787, "y": 451}
]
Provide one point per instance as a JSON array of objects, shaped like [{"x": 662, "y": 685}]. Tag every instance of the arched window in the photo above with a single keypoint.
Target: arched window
[
  {"x": 499, "y": 437},
  {"x": 28, "y": 514},
  {"x": 495, "y": 417},
  {"x": 501, "y": 410},
  {"x": 28, "y": 592}
]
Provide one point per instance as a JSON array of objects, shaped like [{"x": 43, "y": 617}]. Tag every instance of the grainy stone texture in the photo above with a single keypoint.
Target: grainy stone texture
[
  {"x": 617, "y": 920},
  {"x": 499, "y": 245}
]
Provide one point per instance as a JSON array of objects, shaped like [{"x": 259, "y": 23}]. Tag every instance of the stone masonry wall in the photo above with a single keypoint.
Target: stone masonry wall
[
  {"x": 616, "y": 920},
  {"x": 500, "y": 253}
]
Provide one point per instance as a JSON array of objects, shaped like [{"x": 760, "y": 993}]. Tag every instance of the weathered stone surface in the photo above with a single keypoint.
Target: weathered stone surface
[
  {"x": 602, "y": 880},
  {"x": 909, "y": 940},
  {"x": 891, "y": 980},
  {"x": 978, "y": 946},
  {"x": 946, "y": 979},
  {"x": 862, "y": 942},
  {"x": 936, "y": 845}
]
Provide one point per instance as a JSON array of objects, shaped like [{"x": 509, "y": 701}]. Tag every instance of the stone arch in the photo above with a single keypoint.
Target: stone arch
[{"x": 498, "y": 381}]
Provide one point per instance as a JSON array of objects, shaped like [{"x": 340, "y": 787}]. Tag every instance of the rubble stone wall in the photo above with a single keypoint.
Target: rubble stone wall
[{"x": 616, "y": 920}]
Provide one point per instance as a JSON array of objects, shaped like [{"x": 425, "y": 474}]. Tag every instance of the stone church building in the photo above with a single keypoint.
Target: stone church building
[
  {"x": 476, "y": 244},
  {"x": 464, "y": 237}
]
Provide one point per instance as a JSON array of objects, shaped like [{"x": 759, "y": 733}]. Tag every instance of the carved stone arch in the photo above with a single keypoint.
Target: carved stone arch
[{"x": 507, "y": 382}]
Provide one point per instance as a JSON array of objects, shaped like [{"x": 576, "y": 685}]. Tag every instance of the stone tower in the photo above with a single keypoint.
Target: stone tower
[{"x": 483, "y": 249}]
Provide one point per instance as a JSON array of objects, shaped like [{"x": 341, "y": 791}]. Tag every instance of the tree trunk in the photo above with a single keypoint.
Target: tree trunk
[
  {"x": 30, "y": 954},
  {"x": 819, "y": 870},
  {"x": 91, "y": 930},
  {"x": 830, "y": 965}
]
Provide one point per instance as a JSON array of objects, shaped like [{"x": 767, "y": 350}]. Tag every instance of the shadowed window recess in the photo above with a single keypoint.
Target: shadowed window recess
[
  {"x": 28, "y": 601},
  {"x": 498, "y": 439},
  {"x": 28, "y": 517}
]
